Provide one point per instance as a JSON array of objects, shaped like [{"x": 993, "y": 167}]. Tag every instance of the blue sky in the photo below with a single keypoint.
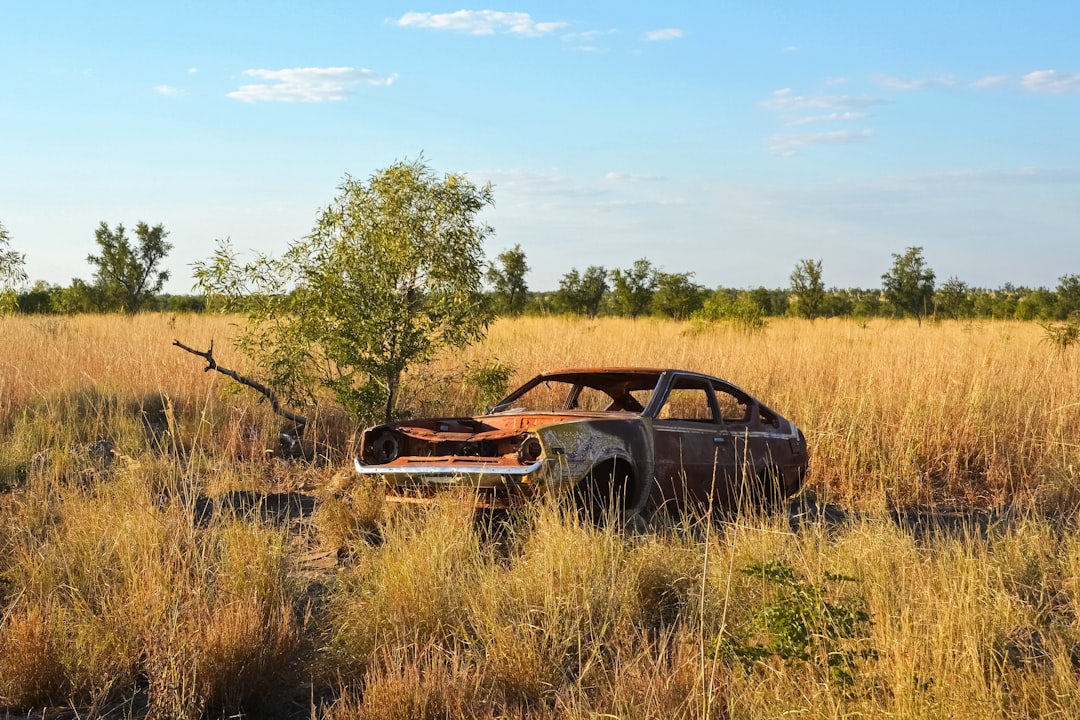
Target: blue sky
[{"x": 727, "y": 139}]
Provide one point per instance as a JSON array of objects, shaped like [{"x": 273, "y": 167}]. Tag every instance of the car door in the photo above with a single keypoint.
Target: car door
[
  {"x": 692, "y": 463},
  {"x": 738, "y": 445}
]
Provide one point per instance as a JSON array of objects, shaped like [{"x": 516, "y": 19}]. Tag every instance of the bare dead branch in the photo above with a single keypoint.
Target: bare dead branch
[{"x": 275, "y": 404}]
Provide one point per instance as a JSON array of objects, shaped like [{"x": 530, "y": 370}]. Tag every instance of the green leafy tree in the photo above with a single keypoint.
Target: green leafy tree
[
  {"x": 1068, "y": 296},
  {"x": 507, "y": 278},
  {"x": 12, "y": 272},
  {"x": 582, "y": 293},
  {"x": 773, "y": 302},
  {"x": 1037, "y": 304},
  {"x": 127, "y": 276},
  {"x": 632, "y": 289},
  {"x": 79, "y": 297},
  {"x": 909, "y": 286},
  {"x": 390, "y": 275},
  {"x": 677, "y": 296},
  {"x": 741, "y": 308},
  {"x": 951, "y": 299},
  {"x": 39, "y": 299},
  {"x": 808, "y": 289}
]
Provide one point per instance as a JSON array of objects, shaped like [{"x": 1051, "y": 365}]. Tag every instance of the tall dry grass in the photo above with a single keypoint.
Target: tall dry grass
[
  {"x": 147, "y": 566},
  {"x": 895, "y": 413}
]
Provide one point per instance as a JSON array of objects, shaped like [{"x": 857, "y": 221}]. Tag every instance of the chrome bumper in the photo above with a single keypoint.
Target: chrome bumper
[{"x": 479, "y": 475}]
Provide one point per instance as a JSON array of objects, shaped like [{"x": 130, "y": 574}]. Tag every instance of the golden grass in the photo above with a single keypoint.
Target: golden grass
[
  {"x": 895, "y": 413},
  {"x": 120, "y": 589}
]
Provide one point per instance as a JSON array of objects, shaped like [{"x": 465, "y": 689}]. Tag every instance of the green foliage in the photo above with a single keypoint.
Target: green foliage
[
  {"x": 508, "y": 280},
  {"x": 740, "y": 308},
  {"x": 1068, "y": 296},
  {"x": 1038, "y": 304},
  {"x": 632, "y": 289},
  {"x": 127, "y": 276},
  {"x": 12, "y": 272},
  {"x": 909, "y": 286},
  {"x": 809, "y": 289},
  {"x": 799, "y": 623},
  {"x": 676, "y": 296},
  {"x": 1062, "y": 336},
  {"x": 951, "y": 299},
  {"x": 582, "y": 294},
  {"x": 491, "y": 381},
  {"x": 390, "y": 275}
]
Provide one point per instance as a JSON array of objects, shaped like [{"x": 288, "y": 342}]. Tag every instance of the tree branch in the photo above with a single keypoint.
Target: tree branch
[{"x": 275, "y": 404}]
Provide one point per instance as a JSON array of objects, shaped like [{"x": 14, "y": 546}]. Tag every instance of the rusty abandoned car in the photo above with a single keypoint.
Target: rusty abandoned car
[{"x": 631, "y": 439}]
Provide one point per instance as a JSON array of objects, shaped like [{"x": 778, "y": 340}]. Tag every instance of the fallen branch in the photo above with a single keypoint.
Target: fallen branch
[{"x": 275, "y": 404}]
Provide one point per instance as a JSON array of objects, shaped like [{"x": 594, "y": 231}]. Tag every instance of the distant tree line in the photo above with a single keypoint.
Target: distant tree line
[
  {"x": 127, "y": 278},
  {"x": 908, "y": 289}
]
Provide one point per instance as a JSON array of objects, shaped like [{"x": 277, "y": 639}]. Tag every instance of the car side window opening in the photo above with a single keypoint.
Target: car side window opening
[
  {"x": 590, "y": 399},
  {"x": 732, "y": 407},
  {"x": 690, "y": 402}
]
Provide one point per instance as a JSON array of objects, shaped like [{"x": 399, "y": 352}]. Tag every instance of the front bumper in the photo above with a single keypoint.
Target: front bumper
[{"x": 495, "y": 485}]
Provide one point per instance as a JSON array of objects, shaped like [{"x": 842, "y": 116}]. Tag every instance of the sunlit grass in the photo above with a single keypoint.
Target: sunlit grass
[{"x": 148, "y": 556}]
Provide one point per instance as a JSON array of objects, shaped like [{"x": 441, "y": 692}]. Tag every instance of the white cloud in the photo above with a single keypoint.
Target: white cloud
[
  {"x": 529, "y": 181},
  {"x": 588, "y": 36},
  {"x": 789, "y": 48},
  {"x": 663, "y": 34},
  {"x": 906, "y": 84},
  {"x": 783, "y": 100},
  {"x": 618, "y": 177},
  {"x": 306, "y": 84},
  {"x": 788, "y": 145},
  {"x": 192, "y": 70},
  {"x": 589, "y": 41},
  {"x": 480, "y": 22},
  {"x": 1051, "y": 81},
  {"x": 991, "y": 81},
  {"x": 829, "y": 117},
  {"x": 168, "y": 90},
  {"x": 1027, "y": 175}
]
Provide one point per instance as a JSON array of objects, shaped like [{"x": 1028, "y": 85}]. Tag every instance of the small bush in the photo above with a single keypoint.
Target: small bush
[{"x": 800, "y": 625}]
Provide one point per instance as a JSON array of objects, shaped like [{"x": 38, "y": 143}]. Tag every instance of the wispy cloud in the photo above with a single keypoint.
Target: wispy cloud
[
  {"x": 789, "y": 48},
  {"x": 991, "y": 81},
  {"x": 168, "y": 90},
  {"x": 783, "y": 99},
  {"x": 310, "y": 85},
  {"x": 530, "y": 181},
  {"x": 995, "y": 176},
  {"x": 480, "y": 22},
  {"x": 663, "y": 34},
  {"x": 590, "y": 41},
  {"x": 897, "y": 83},
  {"x": 787, "y": 145},
  {"x": 619, "y": 177},
  {"x": 587, "y": 36},
  {"x": 807, "y": 110},
  {"x": 1051, "y": 81},
  {"x": 830, "y": 117}
]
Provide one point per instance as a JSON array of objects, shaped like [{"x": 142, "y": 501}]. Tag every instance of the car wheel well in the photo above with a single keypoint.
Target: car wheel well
[{"x": 606, "y": 490}]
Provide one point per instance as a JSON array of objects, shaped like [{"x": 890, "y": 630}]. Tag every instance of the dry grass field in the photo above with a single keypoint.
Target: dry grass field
[{"x": 157, "y": 559}]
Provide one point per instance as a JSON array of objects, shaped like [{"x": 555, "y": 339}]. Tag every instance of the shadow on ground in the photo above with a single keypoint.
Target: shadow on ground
[
  {"x": 923, "y": 523},
  {"x": 277, "y": 508}
]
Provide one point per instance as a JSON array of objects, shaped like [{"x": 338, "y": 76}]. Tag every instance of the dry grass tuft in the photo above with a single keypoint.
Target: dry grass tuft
[{"x": 152, "y": 544}]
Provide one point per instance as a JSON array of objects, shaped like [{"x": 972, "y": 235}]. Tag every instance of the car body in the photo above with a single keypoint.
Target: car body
[{"x": 642, "y": 438}]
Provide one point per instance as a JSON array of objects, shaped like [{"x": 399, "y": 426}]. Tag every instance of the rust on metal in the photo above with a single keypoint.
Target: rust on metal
[{"x": 632, "y": 439}]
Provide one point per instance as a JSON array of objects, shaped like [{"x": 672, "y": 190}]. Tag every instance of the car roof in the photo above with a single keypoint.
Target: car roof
[{"x": 631, "y": 378}]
